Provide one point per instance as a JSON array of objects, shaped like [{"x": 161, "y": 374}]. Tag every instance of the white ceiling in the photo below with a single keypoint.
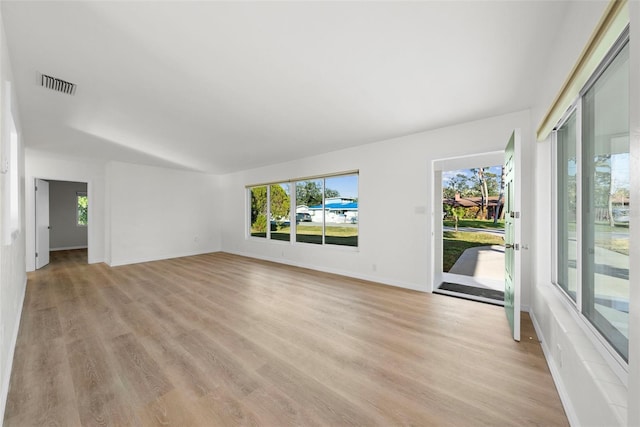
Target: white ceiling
[{"x": 226, "y": 86}]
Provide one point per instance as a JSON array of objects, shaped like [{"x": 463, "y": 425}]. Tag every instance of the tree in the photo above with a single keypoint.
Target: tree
[
  {"x": 328, "y": 192},
  {"x": 484, "y": 185},
  {"x": 481, "y": 183},
  {"x": 500, "y": 204},
  {"x": 280, "y": 205},
  {"x": 280, "y": 202},
  {"x": 491, "y": 180},
  {"x": 83, "y": 210},
  {"x": 603, "y": 187},
  {"x": 308, "y": 193},
  {"x": 458, "y": 184},
  {"x": 457, "y": 212},
  {"x": 259, "y": 209}
]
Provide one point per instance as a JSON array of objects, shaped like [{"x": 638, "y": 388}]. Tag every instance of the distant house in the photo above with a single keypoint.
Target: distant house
[
  {"x": 474, "y": 202},
  {"x": 336, "y": 209}
]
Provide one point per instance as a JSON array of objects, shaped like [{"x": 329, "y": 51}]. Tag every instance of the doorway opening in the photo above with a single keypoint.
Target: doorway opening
[
  {"x": 62, "y": 220},
  {"x": 470, "y": 261}
]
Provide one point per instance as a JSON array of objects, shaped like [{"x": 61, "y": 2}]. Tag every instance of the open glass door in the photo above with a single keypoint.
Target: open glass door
[{"x": 512, "y": 234}]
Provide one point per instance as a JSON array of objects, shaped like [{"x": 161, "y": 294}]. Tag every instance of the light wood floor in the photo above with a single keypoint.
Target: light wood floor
[{"x": 224, "y": 340}]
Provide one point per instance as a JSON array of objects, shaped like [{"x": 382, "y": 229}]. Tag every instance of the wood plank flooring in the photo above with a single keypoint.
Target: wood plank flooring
[{"x": 219, "y": 339}]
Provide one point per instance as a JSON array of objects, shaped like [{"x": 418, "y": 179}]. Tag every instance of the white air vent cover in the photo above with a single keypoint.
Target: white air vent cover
[{"x": 57, "y": 84}]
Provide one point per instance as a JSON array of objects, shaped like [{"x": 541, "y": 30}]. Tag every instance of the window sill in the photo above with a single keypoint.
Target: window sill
[
  {"x": 342, "y": 248},
  {"x": 584, "y": 370}
]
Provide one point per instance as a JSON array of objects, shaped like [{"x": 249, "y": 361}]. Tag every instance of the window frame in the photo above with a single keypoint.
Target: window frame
[
  {"x": 248, "y": 223},
  {"x": 576, "y": 107},
  {"x": 269, "y": 206},
  {"x": 293, "y": 237},
  {"x": 615, "y": 360},
  {"x": 294, "y": 206}
]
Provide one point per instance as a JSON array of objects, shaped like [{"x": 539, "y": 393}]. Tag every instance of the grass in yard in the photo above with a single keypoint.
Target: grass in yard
[
  {"x": 604, "y": 239},
  {"x": 331, "y": 230},
  {"x": 335, "y": 235},
  {"x": 456, "y": 242},
  {"x": 616, "y": 245},
  {"x": 474, "y": 223}
]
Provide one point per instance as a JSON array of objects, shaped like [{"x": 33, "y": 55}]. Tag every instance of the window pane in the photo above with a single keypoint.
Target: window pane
[
  {"x": 341, "y": 210},
  {"x": 309, "y": 210},
  {"x": 82, "y": 205},
  {"x": 567, "y": 198},
  {"x": 280, "y": 212},
  {"x": 605, "y": 205},
  {"x": 258, "y": 211}
]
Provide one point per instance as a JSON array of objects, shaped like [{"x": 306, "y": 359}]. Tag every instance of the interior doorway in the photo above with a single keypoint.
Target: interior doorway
[
  {"x": 62, "y": 219},
  {"x": 469, "y": 237}
]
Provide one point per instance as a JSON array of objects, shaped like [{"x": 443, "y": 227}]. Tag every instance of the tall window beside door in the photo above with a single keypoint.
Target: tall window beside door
[{"x": 592, "y": 204}]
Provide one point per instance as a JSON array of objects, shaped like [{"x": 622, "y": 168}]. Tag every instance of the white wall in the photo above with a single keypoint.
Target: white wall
[
  {"x": 156, "y": 213},
  {"x": 52, "y": 167},
  {"x": 65, "y": 232},
  {"x": 589, "y": 382},
  {"x": 12, "y": 262},
  {"x": 395, "y": 193}
]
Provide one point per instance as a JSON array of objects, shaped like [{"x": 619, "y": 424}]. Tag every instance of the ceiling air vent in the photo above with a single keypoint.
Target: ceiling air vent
[{"x": 57, "y": 84}]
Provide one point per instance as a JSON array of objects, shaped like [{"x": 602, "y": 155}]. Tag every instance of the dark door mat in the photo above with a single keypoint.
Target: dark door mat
[{"x": 472, "y": 290}]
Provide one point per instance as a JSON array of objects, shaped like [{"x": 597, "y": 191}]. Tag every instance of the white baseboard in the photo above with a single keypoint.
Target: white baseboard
[
  {"x": 375, "y": 279},
  {"x": 555, "y": 374},
  {"x": 14, "y": 339},
  {"x": 68, "y": 248},
  {"x": 117, "y": 263}
]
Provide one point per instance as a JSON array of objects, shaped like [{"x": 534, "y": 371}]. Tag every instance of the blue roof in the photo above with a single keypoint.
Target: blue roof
[{"x": 338, "y": 206}]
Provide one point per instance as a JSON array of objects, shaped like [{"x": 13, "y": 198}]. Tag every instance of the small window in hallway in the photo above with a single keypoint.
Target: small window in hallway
[{"x": 82, "y": 209}]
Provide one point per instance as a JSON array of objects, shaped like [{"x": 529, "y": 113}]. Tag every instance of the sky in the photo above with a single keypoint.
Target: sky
[
  {"x": 620, "y": 170},
  {"x": 346, "y": 185}
]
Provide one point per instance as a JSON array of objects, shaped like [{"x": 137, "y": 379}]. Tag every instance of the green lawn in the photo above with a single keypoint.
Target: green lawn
[
  {"x": 474, "y": 223},
  {"x": 616, "y": 245},
  {"x": 604, "y": 240},
  {"x": 456, "y": 242},
  {"x": 335, "y": 235}
]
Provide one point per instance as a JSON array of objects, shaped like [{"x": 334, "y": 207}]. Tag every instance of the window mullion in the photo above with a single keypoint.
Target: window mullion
[
  {"x": 324, "y": 209},
  {"x": 555, "y": 209},
  {"x": 268, "y": 212},
  {"x": 293, "y": 219},
  {"x": 579, "y": 210}
]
